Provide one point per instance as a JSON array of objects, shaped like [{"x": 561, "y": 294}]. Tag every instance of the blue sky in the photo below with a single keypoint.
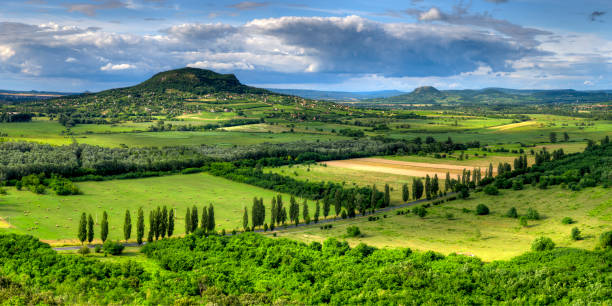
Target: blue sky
[{"x": 77, "y": 45}]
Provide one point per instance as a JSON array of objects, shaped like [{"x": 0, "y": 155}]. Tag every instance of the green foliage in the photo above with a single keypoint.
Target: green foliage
[
  {"x": 605, "y": 240},
  {"x": 532, "y": 214},
  {"x": 90, "y": 228},
  {"x": 512, "y": 213},
  {"x": 112, "y": 247},
  {"x": 523, "y": 221},
  {"x": 491, "y": 190},
  {"x": 542, "y": 244},
  {"x": 127, "y": 226},
  {"x": 482, "y": 209},
  {"x": 140, "y": 227},
  {"x": 420, "y": 211},
  {"x": 82, "y": 234},
  {"x": 104, "y": 227},
  {"x": 567, "y": 220},
  {"x": 575, "y": 234},
  {"x": 353, "y": 231},
  {"x": 84, "y": 250}
]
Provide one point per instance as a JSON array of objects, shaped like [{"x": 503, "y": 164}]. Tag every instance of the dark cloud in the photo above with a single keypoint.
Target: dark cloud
[
  {"x": 595, "y": 15},
  {"x": 248, "y": 5},
  {"x": 91, "y": 9}
]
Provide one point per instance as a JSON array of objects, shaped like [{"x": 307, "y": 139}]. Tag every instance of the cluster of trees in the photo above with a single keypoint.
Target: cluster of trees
[
  {"x": 38, "y": 183},
  {"x": 15, "y": 117},
  {"x": 206, "y": 224}
]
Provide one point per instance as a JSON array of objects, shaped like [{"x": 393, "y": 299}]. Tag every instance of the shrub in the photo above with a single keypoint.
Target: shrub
[
  {"x": 449, "y": 216},
  {"x": 84, "y": 250},
  {"x": 532, "y": 214},
  {"x": 98, "y": 249},
  {"x": 568, "y": 220},
  {"x": 112, "y": 247},
  {"x": 523, "y": 221},
  {"x": 575, "y": 234},
  {"x": 343, "y": 215},
  {"x": 420, "y": 211},
  {"x": 482, "y": 209},
  {"x": 517, "y": 184},
  {"x": 353, "y": 231},
  {"x": 491, "y": 190},
  {"x": 465, "y": 210},
  {"x": 512, "y": 213},
  {"x": 542, "y": 244},
  {"x": 605, "y": 240}
]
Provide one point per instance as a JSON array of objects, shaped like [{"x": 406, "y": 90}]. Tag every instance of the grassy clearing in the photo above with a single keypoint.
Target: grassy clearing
[
  {"x": 490, "y": 237},
  {"x": 55, "y": 218}
]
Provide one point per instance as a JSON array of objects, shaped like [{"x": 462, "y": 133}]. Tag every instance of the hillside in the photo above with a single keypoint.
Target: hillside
[{"x": 431, "y": 95}]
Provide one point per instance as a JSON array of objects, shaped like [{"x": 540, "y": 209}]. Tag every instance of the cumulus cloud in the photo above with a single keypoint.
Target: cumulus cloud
[
  {"x": 6, "y": 52},
  {"x": 111, "y": 67}
]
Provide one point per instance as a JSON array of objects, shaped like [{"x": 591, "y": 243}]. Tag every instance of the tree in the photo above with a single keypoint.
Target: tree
[
  {"x": 417, "y": 188},
  {"x": 163, "y": 222},
  {"x": 157, "y": 221},
  {"x": 316, "y": 214},
  {"x": 338, "y": 202},
  {"x": 188, "y": 221},
  {"x": 211, "y": 218},
  {"x": 245, "y": 219},
  {"x": 194, "y": 218},
  {"x": 127, "y": 226},
  {"x": 553, "y": 137},
  {"x": 294, "y": 211},
  {"x": 575, "y": 234},
  {"x": 566, "y": 137},
  {"x": 151, "y": 234},
  {"x": 447, "y": 182},
  {"x": 204, "y": 221},
  {"x": 373, "y": 197},
  {"x": 305, "y": 213},
  {"x": 283, "y": 215},
  {"x": 542, "y": 244},
  {"x": 427, "y": 187},
  {"x": 140, "y": 226},
  {"x": 273, "y": 212},
  {"x": 279, "y": 209},
  {"x": 435, "y": 187},
  {"x": 170, "y": 222},
  {"x": 104, "y": 227},
  {"x": 387, "y": 198},
  {"x": 90, "y": 229},
  {"x": 405, "y": 193},
  {"x": 512, "y": 213},
  {"x": 82, "y": 234},
  {"x": 326, "y": 207},
  {"x": 482, "y": 209}
]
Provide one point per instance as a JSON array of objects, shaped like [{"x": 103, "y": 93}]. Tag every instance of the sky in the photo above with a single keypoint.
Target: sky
[{"x": 345, "y": 45}]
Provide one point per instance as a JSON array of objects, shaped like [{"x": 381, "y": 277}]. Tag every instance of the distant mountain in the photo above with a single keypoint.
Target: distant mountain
[
  {"x": 431, "y": 95},
  {"x": 337, "y": 95},
  {"x": 13, "y": 96},
  {"x": 191, "y": 80}
]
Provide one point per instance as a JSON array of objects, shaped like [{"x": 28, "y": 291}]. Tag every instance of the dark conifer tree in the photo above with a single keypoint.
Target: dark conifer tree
[
  {"x": 305, "y": 213},
  {"x": 435, "y": 187},
  {"x": 140, "y": 226},
  {"x": 427, "y": 187},
  {"x": 90, "y": 229},
  {"x": 326, "y": 206},
  {"x": 104, "y": 227},
  {"x": 447, "y": 182},
  {"x": 245, "y": 219},
  {"x": 255, "y": 212},
  {"x": 405, "y": 193},
  {"x": 170, "y": 222},
  {"x": 157, "y": 220},
  {"x": 151, "y": 235},
  {"x": 273, "y": 212},
  {"x": 338, "y": 202},
  {"x": 387, "y": 198},
  {"x": 194, "y": 218},
  {"x": 317, "y": 212},
  {"x": 211, "y": 218},
  {"x": 163, "y": 222},
  {"x": 82, "y": 234},
  {"x": 188, "y": 221},
  {"x": 127, "y": 226},
  {"x": 204, "y": 221}
]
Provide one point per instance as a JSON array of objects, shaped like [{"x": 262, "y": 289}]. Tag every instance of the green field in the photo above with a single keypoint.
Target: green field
[
  {"x": 490, "y": 237},
  {"x": 55, "y": 218}
]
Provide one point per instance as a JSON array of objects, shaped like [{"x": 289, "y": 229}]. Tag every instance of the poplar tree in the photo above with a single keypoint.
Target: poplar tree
[
  {"x": 316, "y": 214},
  {"x": 140, "y": 226},
  {"x": 490, "y": 173},
  {"x": 387, "y": 198},
  {"x": 417, "y": 188},
  {"x": 158, "y": 225},
  {"x": 255, "y": 212},
  {"x": 405, "y": 193},
  {"x": 104, "y": 227},
  {"x": 82, "y": 234},
  {"x": 427, "y": 187},
  {"x": 294, "y": 211},
  {"x": 279, "y": 209},
  {"x": 194, "y": 218},
  {"x": 373, "y": 197},
  {"x": 326, "y": 206},
  {"x": 305, "y": 213},
  {"x": 211, "y": 218},
  {"x": 151, "y": 234},
  {"x": 90, "y": 229},
  {"x": 273, "y": 211},
  {"x": 127, "y": 226},
  {"x": 170, "y": 222},
  {"x": 204, "y": 221},
  {"x": 245, "y": 219},
  {"x": 435, "y": 187},
  {"x": 283, "y": 215},
  {"x": 447, "y": 182},
  {"x": 164, "y": 221},
  {"x": 338, "y": 202},
  {"x": 188, "y": 221}
]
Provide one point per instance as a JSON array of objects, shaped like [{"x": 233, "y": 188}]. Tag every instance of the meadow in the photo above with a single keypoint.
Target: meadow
[
  {"x": 55, "y": 218},
  {"x": 448, "y": 228}
]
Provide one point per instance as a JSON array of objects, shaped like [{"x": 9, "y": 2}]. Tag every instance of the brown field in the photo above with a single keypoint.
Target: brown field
[
  {"x": 400, "y": 167},
  {"x": 512, "y": 125}
]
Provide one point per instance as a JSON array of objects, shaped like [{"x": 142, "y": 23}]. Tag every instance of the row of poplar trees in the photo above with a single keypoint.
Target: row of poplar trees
[
  {"x": 161, "y": 224},
  {"x": 207, "y": 223}
]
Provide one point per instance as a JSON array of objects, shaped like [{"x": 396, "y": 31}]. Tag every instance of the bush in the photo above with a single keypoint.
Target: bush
[
  {"x": 84, "y": 250},
  {"x": 568, "y": 220},
  {"x": 532, "y": 214},
  {"x": 575, "y": 234},
  {"x": 353, "y": 231},
  {"x": 449, "y": 216},
  {"x": 523, "y": 221},
  {"x": 605, "y": 240},
  {"x": 491, "y": 190},
  {"x": 517, "y": 185},
  {"x": 542, "y": 244},
  {"x": 420, "y": 211},
  {"x": 482, "y": 209},
  {"x": 512, "y": 213},
  {"x": 98, "y": 249},
  {"x": 112, "y": 247}
]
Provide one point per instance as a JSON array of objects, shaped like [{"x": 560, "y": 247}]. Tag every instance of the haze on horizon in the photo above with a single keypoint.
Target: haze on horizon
[{"x": 78, "y": 45}]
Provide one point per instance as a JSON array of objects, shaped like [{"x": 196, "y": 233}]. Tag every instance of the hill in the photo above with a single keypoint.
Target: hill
[{"x": 430, "y": 95}]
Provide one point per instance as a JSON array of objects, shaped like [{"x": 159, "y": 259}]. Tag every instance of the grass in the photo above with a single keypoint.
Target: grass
[
  {"x": 55, "y": 218},
  {"x": 490, "y": 237}
]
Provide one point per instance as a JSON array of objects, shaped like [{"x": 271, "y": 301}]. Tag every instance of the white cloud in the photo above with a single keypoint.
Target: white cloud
[
  {"x": 6, "y": 52},
  {"x": 70, "y": 60},
  {"x": 111, "y": 67},
  {"x": 432, "y": 14},
  {"x": 588, "y": 83}
]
